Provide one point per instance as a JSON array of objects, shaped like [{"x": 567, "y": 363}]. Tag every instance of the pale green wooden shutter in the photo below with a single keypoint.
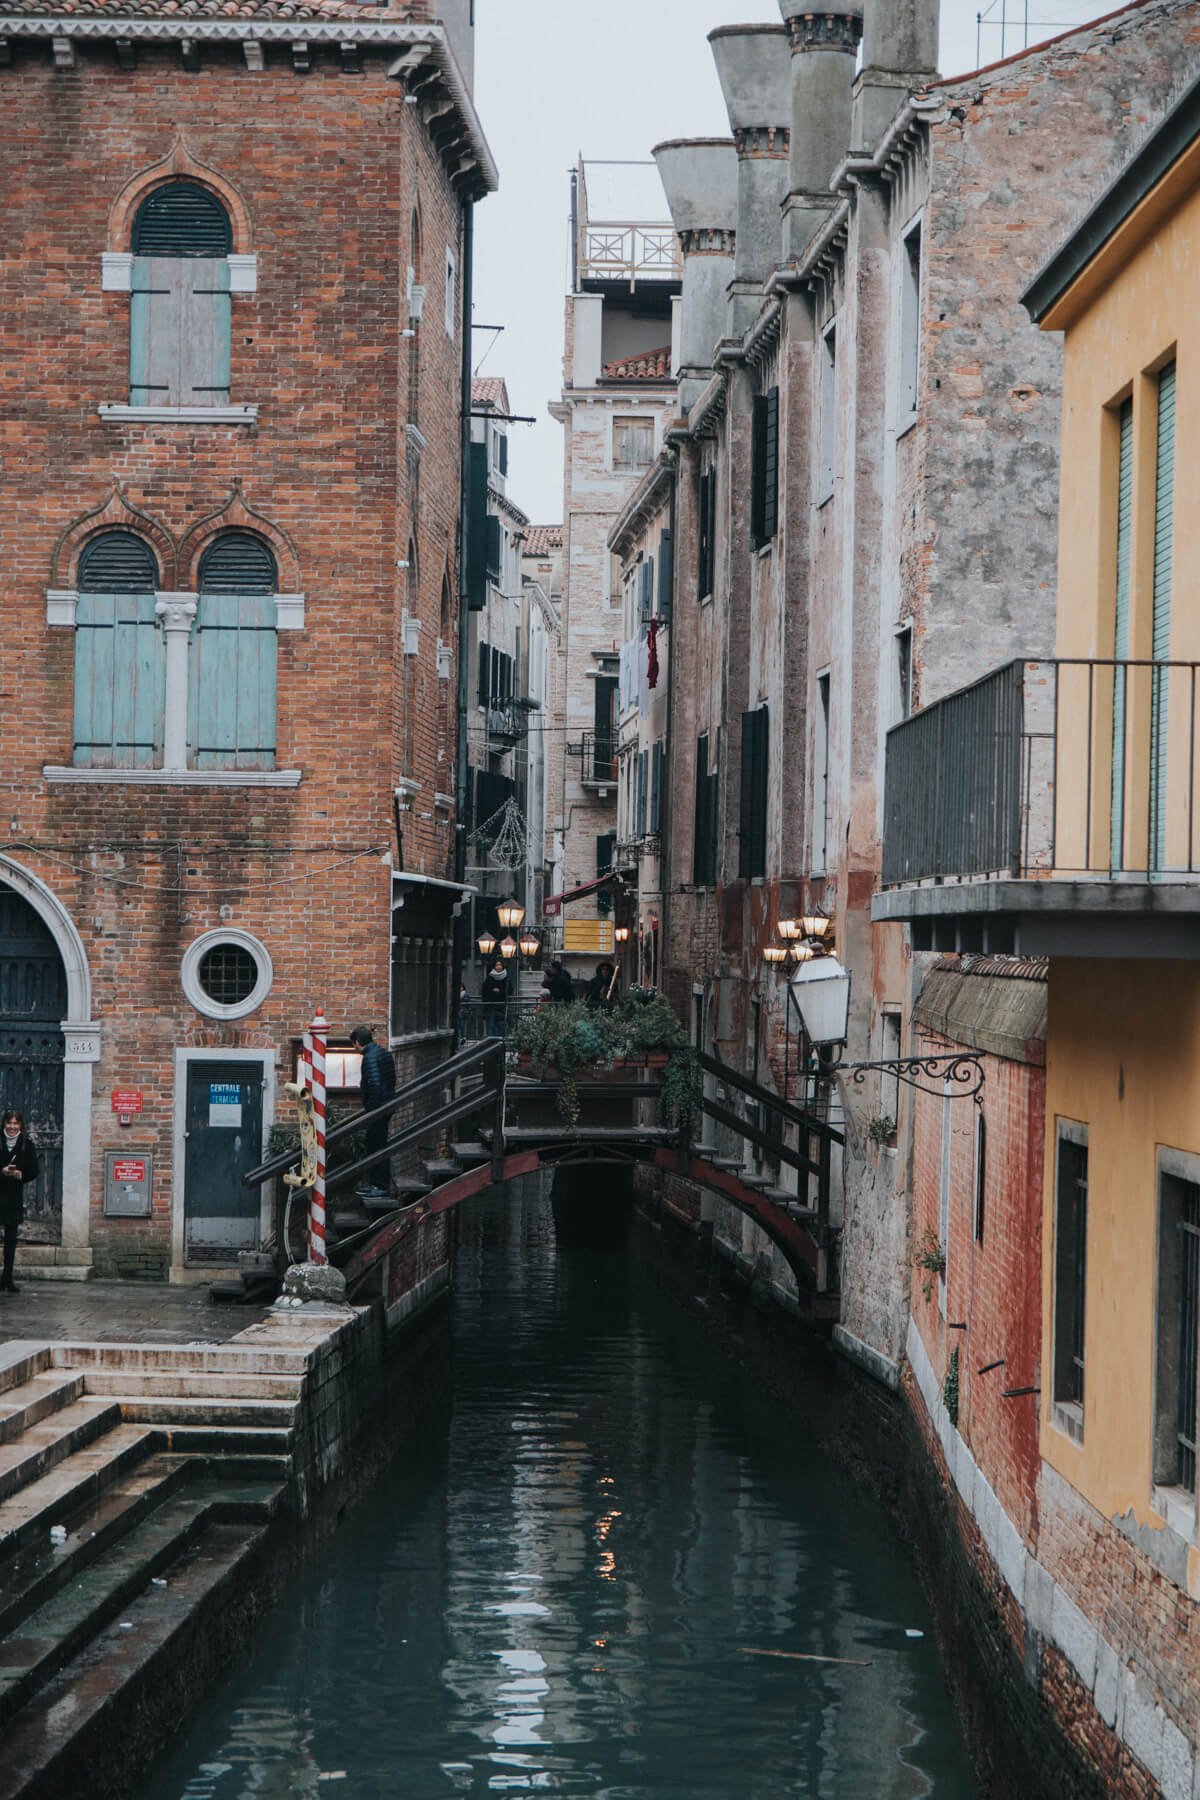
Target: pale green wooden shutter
[
  {"x": 204, "y": 332},
  {"x": 120, "y": 682},
  {"x": 179, "y": 331},
  {"x": 1121, "y": 636},
  {"x": 154, "y": 331},
  {"x": 231, "y": 685},
  {"x": 1164, "y": 520}
]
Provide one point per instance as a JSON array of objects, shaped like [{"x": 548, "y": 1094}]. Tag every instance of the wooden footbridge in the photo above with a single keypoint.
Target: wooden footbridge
[{"x": 482, "y": 1123}]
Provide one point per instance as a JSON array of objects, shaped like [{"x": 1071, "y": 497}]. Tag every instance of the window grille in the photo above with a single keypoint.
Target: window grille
[
  {"x": 182, "y": 219},
  {"x": 228, "y": 974},
  {"x": 117, "y": 562},
  {"x": 238, "y": 563}
]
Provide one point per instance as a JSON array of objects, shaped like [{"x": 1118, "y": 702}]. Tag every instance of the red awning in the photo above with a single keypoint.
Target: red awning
[{"x": 554, "y": 903}]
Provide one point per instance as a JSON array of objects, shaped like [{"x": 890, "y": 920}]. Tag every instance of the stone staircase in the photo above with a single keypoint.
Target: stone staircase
[{"x": 137, "y": 1484}]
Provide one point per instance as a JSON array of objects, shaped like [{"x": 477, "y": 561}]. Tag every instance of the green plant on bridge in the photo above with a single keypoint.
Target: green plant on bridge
[{"x": 566, "y": 1038}]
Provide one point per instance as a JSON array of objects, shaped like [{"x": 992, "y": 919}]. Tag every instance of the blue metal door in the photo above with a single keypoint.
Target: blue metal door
[{"x": 224, "y": 1139}]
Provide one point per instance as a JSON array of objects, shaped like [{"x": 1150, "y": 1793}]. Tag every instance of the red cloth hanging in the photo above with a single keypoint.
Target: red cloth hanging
[{"x": 652, "y": 645}]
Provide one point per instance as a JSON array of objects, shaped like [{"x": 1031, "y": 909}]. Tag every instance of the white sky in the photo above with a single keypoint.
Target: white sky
[{"x": 611, "y": 78}]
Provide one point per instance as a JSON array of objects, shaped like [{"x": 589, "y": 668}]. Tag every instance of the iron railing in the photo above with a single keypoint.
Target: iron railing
[
  {"x": 1064, "y": 766},
  {"x": 509, "y": 719},
  {"x": 597, "y": 751},
  {"x": 480, "y": 1019}
]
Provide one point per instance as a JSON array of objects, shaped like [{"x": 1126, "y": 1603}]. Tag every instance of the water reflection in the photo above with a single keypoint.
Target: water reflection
[{"x": 555, "y": 1589}]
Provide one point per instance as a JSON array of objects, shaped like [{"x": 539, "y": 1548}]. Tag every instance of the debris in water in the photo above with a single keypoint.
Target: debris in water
[
  {"x": 125, "y": 1625},
  {"x": 58, "y": 1534},
  {"x": 850, "y": 1662},
  {"x": 158, "y": 1581},
  {"x": 332, "y": 1775},
  {"x": 910, "y": 1631}
]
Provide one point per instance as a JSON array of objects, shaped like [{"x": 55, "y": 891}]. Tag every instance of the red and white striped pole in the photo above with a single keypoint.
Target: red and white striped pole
[{"x": 316, "y": 1037}]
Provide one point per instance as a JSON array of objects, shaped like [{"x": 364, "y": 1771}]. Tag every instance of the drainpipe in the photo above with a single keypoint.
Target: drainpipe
[{"x": 464, "y": 616}]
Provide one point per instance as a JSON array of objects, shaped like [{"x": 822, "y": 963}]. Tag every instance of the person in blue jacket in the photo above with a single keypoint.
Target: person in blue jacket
[{"x": 377, "y": 1083}]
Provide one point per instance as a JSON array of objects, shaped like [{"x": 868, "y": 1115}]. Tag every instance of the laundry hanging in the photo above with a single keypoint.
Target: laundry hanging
[{"x": 652, "y": 647}]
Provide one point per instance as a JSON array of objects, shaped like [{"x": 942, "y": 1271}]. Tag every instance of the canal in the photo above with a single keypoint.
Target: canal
[{"x": 605, "y": 1566}]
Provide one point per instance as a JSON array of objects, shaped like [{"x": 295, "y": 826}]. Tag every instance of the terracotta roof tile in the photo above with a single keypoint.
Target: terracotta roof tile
[
  {"x": 489, "y": 390},
  {"x": 651, "y": 365},
  {"x": 539, "y": 540}
]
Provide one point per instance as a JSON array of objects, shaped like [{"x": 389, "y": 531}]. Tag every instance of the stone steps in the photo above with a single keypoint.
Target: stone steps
[
  {"x": 35, "y": 1400},
  {"x": 189, "y": 1359},
  {"x": 149, "y": 1383},
  {"x": 74, "y": 1483},
  {"x": 232, "y": 1417},
  {"x": 47, "y": 1743},
  {"x": 41, "y": 1447}
]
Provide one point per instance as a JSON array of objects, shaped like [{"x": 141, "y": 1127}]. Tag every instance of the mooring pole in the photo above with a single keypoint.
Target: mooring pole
[{"x": 315, "y": 1038}]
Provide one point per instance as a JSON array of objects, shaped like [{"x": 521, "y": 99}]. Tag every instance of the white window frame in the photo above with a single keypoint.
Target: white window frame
[
  {"x": 450, "y": 303},
  {"x": 827, "y": 415},
  {"x": 908, "y": 387},
  {"x": 189, "y": 973}
]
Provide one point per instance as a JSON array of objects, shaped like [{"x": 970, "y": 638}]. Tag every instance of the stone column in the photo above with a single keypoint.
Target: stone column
[
  {"x": 81, "y": 1053},
  {"x": 824, "y": 46},
  {"x": 700, "y": 178},
  {"x": 900, "y": 40},
  {"x": 177, "y": 613}
]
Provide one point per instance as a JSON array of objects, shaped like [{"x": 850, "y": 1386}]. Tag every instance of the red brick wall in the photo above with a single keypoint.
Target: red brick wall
[{"x": 328, "y": 168}]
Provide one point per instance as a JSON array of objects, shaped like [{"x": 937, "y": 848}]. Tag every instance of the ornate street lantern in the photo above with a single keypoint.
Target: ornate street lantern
[{"x": 511, "y": 915}]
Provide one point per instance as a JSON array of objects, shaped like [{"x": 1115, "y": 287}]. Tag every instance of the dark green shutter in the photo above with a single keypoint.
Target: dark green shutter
[
  {"x": 666, "y": 575},
  {"x": 1121, "y": 635},
  {"x": 770, "y": 500},
  {"x": 700, "y": 847},
  {"x": 117, "y": 562},
  {"x": 656, "y": 773},
  {"x": 752, "y": 827},
  {"x": 182, "y": 219},
  {"x": 758, "y": 451},
  {"x": 502, "y": 448},
  {"x": 238, "y": 562},
  {"x": 495, "y": 565},
  {"x": 485, "y": 674},
  {"x": 477, "y": 535},
  {"x": 1164, "y": 531}
]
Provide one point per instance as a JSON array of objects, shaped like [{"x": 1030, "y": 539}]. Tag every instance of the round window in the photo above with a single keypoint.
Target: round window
[{"x": 226, "y": 974}]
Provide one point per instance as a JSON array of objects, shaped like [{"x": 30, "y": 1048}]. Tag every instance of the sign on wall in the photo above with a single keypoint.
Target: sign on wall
[
  {"x": 225, "y": 1104},
  {"x": 128, "y": 1184}
]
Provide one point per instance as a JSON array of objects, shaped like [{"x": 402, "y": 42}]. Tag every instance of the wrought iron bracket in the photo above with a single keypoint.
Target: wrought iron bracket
[{"x": 928, "y": 1074}]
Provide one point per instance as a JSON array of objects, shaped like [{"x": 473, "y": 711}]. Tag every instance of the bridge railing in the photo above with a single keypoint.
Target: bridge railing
[{"x": 810, "y": 1152}]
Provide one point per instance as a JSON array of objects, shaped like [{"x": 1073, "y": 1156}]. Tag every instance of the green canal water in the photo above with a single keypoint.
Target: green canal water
[{"x": 563, "y": 1584}]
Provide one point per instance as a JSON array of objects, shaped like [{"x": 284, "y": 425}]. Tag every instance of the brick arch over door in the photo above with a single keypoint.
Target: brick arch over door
[
  {"x": 115, "y": 514},
  {"x": 178, "y": 165},
  {"x": 33, "y": 1001},
  {"x": 236, "y": 515}
]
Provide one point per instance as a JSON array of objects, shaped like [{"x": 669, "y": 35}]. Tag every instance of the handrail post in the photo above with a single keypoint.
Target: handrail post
[{"x": 499, "y": 1072}]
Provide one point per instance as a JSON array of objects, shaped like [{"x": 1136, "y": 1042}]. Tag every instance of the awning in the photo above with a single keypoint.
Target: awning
[{"x": 554, "y": 903}]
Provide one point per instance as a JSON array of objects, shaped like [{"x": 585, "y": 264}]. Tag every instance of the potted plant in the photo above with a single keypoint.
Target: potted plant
[{"x": 558, "y": 1041}]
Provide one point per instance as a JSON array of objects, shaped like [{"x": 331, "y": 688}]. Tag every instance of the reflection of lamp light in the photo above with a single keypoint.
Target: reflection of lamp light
[
  {"x": 789, "y": 929},
  {"x": 814, "y": 925},
  {"x": 508, "y": 948},
  {"x": 801, "y": 953},
  {"x": 485, "y": 943},
  {"x": 622, "y": 934},
  {"x": 822, "y": 990},
  {"x": 775, "y": 953},
  {"x": 530, "y": 943},
  {"x": 511, "y": 915}
]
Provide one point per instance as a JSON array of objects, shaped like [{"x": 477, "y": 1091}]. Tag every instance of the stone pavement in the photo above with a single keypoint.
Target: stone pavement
[{"x": 120, "y": 1312}]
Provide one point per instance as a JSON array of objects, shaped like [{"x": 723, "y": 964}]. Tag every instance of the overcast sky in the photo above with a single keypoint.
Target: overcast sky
[{"x": 610, "y": 79}]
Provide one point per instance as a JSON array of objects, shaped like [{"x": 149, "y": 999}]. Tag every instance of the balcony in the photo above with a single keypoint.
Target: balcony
[
  {"x": 508, "y": 720},
  {"x": 1050, "y": 809},
  {"x": 597, "y": 754}
]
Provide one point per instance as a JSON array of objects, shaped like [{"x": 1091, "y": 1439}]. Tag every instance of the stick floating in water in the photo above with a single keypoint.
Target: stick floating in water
[{"x": 849, "y": 1662}]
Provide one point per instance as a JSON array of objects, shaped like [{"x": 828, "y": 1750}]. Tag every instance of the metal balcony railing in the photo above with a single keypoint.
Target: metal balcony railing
[
  {"x": 508, "y": 720},
  {"x": 1066, "y": 766},
  {"x": 597, "y": 752}
]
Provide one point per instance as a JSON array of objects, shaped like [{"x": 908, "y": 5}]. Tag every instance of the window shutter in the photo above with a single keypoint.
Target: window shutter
[
  {"x": 656, "y": 769},
  {"x": 120, "y": 681},
  {"x": 758, "y": 446},
  {"x": 117, "y": 562},
  {"x": 642, "y": 784},
  {"x": 204, "y": 333},
  {"x": 1121, "y": 635},
  {"x": 700, "y": 815},
  {"x": 502, "y": 449},
  {"x": 239, "y": 563},
  {"x": 154, "y": 298},
  {"x": 232, "y": 681},
  {"x": 705, "y": 508},
  {"x": 485, "y": 674},
  {"x": 182, "y": 219},
  {"x": 752, "y": 831},
  {"x": 605, "y": 851},
  {"x": 645, "y": 590},
  {"x": 666, "y": 575},
  {"x": 477, "y": 535},
  {"x": 494, "y": 549},
  {"x": 1164, "y": 529},
  {"x": 770, "y": 505}
]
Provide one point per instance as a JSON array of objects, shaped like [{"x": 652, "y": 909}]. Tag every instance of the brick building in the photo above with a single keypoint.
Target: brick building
[
  {"x": 618, "y": 392},
  {"x": 232, "y": 307}
]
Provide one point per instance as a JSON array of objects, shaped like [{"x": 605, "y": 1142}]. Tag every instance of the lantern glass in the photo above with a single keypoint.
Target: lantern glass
[
  {"x": 485, "y": 943},
  {"x": 822, "y": 990},
  {"x": 815, "y": 925},
  {"x": 511, "y": 915},
  {"x": 622, "y": 934},
  {"x": 508, "y": 948},
  {"x": 801, "y": 953},
  {"x": 530, "y": 943},
  {"x": 775, "y": 953},
  {"x": 789, "y": 929}
]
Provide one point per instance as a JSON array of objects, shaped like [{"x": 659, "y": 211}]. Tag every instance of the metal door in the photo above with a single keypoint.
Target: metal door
[
  {"x": 223, "y": 1122},
  {"x": 33, "y": 1003}
]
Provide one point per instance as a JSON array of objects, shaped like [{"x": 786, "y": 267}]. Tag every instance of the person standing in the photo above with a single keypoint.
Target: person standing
[
  {"x": 602, "y": 986},
  {"x": 559, "y": 982},
  {"x": 18, "y": 1165},
  {"x": 376, "y": 1083},
  {"x": 495, "y": 999}
]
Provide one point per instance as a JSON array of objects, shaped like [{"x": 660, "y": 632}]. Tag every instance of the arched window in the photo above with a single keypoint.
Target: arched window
[
  {"x": 179, "y": 311},
  {"x": 119, "y": 663},
  {"x": 232, "y": 668}
]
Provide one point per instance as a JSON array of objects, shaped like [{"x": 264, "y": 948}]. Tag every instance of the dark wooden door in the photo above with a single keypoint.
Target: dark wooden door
[
  {"x": 224, "y": 1140},
  {"x": 33, "y": 1004}
]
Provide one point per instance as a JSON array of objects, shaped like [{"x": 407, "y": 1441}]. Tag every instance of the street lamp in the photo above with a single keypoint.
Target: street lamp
[
  {"x": 775, "y": 953},
  {"x": 822, "y": 990},
  {"x": 621, "y": 934},
  {"x": 508, "y": 948},
  {"x": 485, "y": 943},
  {"x": 801, "y": 953},
  {"x": 530, "y": 943},
  {"x": 511, "y": 915},
  {"x": 815, "y": 925},
  {"x": 789, "y": 929}
]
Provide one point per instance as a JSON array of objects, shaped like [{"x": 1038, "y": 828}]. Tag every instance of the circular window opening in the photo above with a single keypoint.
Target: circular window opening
[{"x": 226, "y": 974}]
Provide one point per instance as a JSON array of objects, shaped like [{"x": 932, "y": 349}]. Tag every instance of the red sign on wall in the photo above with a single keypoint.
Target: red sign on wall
[
  {"x": 133, "y": 1168},
  {"x": 127, "y": 1100}
]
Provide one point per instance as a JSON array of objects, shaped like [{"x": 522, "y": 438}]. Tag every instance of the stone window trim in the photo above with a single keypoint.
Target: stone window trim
[
  {"x": 189, "y": 972},
  {"x": 61, "y": 604},
  {"x": 118, "y": 413},
  {"x": 116, "y": 272}
]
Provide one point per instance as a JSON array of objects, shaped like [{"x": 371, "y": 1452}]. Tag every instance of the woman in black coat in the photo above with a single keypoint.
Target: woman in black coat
[{"x": 18, "y": 1164}]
